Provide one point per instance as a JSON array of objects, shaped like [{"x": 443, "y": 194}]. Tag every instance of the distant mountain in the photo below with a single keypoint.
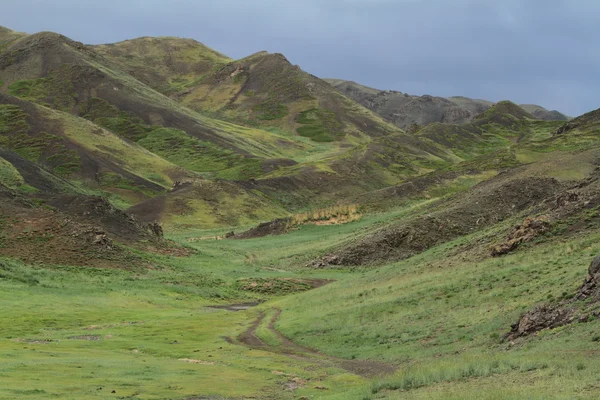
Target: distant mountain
[
  {"x": 405, "y": 110},
  {"x": 544, "y": 114}
]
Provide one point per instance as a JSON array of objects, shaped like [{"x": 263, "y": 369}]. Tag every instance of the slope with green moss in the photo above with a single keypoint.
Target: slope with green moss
[
  {"x": 80, "y": 151},
  {"x": 54, "y": 71},
  {"x": 166, "y": 64},
  {"x": 267, "y": 90},
  {"x": 207, "y": 205}
]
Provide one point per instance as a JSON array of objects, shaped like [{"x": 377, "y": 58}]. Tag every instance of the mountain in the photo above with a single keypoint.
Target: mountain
[
  {"x": 405, "y": 110},
  {"x": 541, "y": 113},
  {"x": 267, "y": 90}
]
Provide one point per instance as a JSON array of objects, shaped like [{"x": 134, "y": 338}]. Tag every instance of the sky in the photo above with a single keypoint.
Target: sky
[{"x": 529, "y": 51}]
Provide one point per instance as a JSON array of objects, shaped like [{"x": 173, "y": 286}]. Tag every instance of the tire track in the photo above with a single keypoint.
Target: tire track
[{"x": 364, "y": 368}]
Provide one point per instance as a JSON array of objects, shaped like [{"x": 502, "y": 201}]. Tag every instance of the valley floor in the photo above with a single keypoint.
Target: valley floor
[{"x": 429, "y": 327}]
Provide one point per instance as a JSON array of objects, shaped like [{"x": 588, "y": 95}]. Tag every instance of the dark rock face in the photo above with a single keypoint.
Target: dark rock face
[
  {"x": 541, "y": 318},
  {"x": 595, "y": 267},
  {"x": 155, "y": 229}
]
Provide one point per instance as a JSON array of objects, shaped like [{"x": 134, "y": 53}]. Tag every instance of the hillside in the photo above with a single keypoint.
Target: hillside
[
  {"x": 405, "y": 110},
  {"x": 55, "y": 71},
  {"x": 166, "y": 64},
  {"x": 266, "y": 89},
  {"x": 544, "y": 114}
]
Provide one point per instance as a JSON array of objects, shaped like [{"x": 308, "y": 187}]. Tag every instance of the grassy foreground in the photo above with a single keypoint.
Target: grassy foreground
[{"x": 439, "y": 317}]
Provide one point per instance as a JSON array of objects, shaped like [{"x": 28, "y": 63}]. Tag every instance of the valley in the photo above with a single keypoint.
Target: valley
[{"x": 177, "y": 224}]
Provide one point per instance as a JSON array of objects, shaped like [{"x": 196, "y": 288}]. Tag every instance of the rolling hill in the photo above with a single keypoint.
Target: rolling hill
[{"x": 405, "y": 110}]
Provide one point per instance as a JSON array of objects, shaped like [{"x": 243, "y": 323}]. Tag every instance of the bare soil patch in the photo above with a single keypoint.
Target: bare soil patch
[{"x": 365, "y": 368}]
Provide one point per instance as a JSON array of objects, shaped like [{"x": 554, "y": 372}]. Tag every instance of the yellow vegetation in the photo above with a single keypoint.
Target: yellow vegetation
[{"x": 334, "y": 215}]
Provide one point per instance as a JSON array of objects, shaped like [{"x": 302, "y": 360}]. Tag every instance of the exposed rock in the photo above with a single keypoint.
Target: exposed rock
[
  {"x": 541, "y": 318},
  {"x": 594, "y": 268},
  {"x": 324, "y": 262},
  {"x": 484, "y": 204},
  {"x": 529, "y": 229},
  {"x": 156, "y": 229}
]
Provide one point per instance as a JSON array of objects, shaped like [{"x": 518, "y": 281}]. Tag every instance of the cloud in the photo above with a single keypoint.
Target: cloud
[{"x": 535, "y": 51}]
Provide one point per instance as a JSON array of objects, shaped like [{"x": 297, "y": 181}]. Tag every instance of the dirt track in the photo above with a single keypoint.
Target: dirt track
[{"x": 363, "y": 368}]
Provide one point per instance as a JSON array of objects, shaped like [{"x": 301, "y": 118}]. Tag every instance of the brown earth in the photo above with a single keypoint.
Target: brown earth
[
  {"x": 483, "y": 205},
  {"x": 276, "y": 227},
  {"x": 237, "y": 306},
  {"x": 365, "y": 368},
  {"x": 75, "y": 230},
  {"x": 280, "y": 285},
  {"x": 40, "y": 235}
]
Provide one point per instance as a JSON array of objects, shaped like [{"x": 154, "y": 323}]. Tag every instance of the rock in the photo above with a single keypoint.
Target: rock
[
  {"x": 325, "y": 262},
  {"x": 541, "y": 318},
  {"x": 594, "y": 268},
  {"x": 529, "y": 229},
  {"x": 156, "y": 229}
]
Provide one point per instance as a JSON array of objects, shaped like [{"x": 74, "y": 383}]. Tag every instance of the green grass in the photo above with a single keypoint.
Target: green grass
[
  {"x": 200, "y": 156},
  {"x": 55, "y": 90},
  {"x": 320, "y": 125},
  {"x": 142, "y": 324},
  {"x": 271, "y": 110},
  {"x": 443, "y": 317},
  {"x": 110, "y": 180},
  {"x": 439, "y": 315},
  {"x": 9, "y": 175}
]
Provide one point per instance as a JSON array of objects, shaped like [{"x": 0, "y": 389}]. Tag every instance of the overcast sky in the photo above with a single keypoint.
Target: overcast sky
[{"x": 530, "y": 51}]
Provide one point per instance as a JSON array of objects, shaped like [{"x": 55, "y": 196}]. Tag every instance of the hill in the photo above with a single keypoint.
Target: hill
[
  {"x": 405, "y": 110},
  {"x": 266, "y": 89},
  {"x": 544, "y": 114},
  {"x": 55, "y": 71},
  {"x": 166, "y": 64}
]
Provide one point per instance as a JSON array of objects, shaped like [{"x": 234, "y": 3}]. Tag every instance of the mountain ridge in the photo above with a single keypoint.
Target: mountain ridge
[{"x": 405, "y": 110}]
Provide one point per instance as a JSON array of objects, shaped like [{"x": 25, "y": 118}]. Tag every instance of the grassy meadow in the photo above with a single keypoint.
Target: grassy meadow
[{"x": 439, "y": 318}]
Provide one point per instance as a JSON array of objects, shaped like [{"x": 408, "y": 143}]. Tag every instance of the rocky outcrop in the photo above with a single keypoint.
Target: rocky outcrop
[
  {"x": 529, "y": 229},
  {"x": 565, "y": 312}
]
